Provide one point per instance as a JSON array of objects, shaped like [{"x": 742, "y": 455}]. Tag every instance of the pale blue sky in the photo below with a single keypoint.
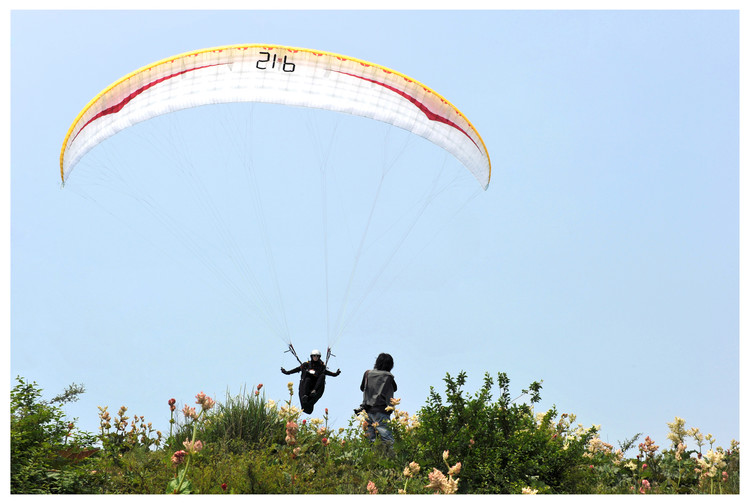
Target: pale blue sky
[{"x": 603, "y": 259}]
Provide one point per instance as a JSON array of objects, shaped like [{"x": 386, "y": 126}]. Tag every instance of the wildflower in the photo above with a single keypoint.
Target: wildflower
[
  {"x": 260, "y": 386},
  {"x": 271, "y": 404},
  {"x": 528, "y": 491},
  {"x": 371, "y": 488},
  {"x": 471, "y": 442},
  {"x": 677, "y": 431},
  {"x": 296, "y": 452},
  {"x": 411, "y": 470},
  {"x": 450, "y": 486},
  {"x": 326, "y": 411},
  {"x": 192, "y": 447},
  {"x": 414, "y": 468},
  {"x": 645, "y": 486},
  {"x": 291, "y": 427},
  {"x": 436, "y": 480},
  {"x": 455, "y": 469},
  {"x": 680, "y": 450},
  {"x": 189, "y": 412},
  {"x": 445, "y": 455},
  {"x": 224, "y": 486},
  {"x": 291, "y": 432},
  {"x": 324, "y": 441},
  {"x": 290, "y": 386},
  {"x": 711, "y": 463},
  {"x": 724, "y": 476},
  {"x": 206, "y": 402},
  {"x": 178, "y": 457},
  {"x": 596, "y": 445},
  {"x": 648, "y": 447},
  {"x": 644, "y": 466},
  {"x": 618, "y": 456}
]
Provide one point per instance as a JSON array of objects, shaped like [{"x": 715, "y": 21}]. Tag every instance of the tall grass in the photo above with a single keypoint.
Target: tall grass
[{"x": 243, "y": 421}]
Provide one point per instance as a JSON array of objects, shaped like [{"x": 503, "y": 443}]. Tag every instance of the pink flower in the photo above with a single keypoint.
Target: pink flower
[
  {"x": 455, "y": 469},
  {"x": 371, "y": 488},
  {"x": 189, "y": 412},
  {"x": 644, "y": 466},
  {"x": 178, "y": 457},
  {"x": 260, "y": 386},
  {"x": 645, "y": 486},
  {"x": 325, "y": 441},
  {"x": 193, "y": 447},
  {"x": 291, "y": 433},
  {"x": 206, "y": 402}
]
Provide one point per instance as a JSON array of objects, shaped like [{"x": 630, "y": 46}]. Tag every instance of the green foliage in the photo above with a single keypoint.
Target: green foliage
[
  {"x": 44, "y": 446},
  {"x": 242, "y": 422},
  {"x": 500, "y": 443},
  {"x": 457, "y": 443}
]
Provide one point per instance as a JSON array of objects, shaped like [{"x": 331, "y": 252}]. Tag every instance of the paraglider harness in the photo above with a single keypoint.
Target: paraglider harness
[
  {"x": 309, "y": 378},
  {"x": 325, "y": 363}
]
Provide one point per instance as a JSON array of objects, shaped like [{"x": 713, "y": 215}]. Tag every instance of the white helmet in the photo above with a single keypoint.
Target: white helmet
[{"x": 315, "y": 352}]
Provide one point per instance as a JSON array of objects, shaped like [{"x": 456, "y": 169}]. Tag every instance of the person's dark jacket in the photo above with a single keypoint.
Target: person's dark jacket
[
  {"x": 378, "y": 388},
  {"x": 311, "y": 367}
]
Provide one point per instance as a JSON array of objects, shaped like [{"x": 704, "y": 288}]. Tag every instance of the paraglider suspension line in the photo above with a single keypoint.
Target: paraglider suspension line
[
  {"x": 294, "y": 352},
  {"x": 328, "y": 356}
]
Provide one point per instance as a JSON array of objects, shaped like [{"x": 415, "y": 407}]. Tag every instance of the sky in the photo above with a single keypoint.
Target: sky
[{"x": 602, "y": 260}]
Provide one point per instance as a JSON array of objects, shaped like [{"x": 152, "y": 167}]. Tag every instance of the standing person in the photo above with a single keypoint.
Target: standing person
[
  {"x": 378, "y": 386},
  {"x": 312, "y": 382}
]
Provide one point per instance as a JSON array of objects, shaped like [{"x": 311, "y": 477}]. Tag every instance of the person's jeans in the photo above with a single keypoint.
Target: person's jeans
[{"x": 377, "y": 425}]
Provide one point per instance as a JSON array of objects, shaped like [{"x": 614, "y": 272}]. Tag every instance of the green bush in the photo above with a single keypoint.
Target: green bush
[
  {"x": 503, "y": 447},
  {"x": 45, "y": 449},
  {"x": 457, "y": 443}
]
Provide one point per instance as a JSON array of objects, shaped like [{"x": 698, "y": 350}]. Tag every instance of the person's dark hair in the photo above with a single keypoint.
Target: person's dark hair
[{"x": 384, "y": 362}]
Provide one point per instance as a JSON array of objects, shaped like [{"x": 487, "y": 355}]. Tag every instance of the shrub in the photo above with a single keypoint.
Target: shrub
[
  {"x": 502, "y": 445},
  {"x": 43, "y": 444}
]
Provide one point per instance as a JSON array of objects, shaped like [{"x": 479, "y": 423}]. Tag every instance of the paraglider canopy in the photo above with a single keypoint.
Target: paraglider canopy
[
  {"x": 275, "y": 74},
  {"x": 287, "y": 76}
]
